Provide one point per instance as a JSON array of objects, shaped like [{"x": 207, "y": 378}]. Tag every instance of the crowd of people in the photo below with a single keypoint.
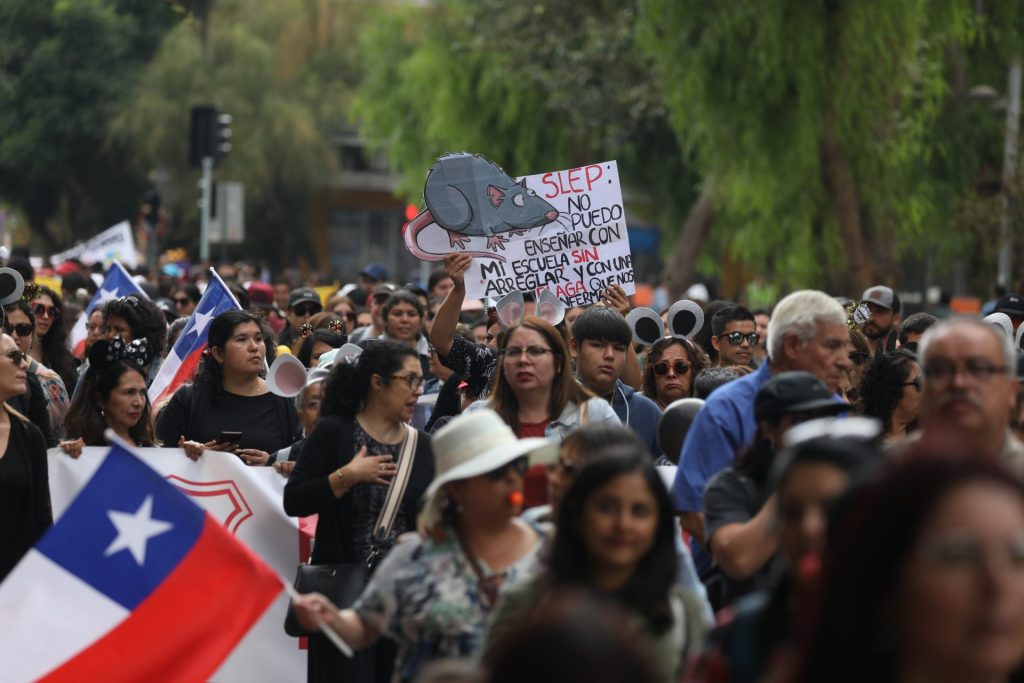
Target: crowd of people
[{"x": 830, "y": 489}]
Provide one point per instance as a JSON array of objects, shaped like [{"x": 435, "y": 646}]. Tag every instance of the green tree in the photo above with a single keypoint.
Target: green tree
[
  {"x": 65, "y": 66},
  {"x": 284, "y": 71},
  {"x": 814, "y": 123},
  {"x": 532, "y": 86}
]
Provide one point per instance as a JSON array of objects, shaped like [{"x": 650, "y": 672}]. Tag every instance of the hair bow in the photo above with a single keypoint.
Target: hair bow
[{"x": 103, "y": 352}]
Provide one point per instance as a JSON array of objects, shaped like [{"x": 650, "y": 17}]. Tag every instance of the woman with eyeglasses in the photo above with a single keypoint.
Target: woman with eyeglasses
[
  {"x": 535, "y": 391},
  {"x": 51, "y": 341},
  {"x": 669, "y": 369},
  {"x": 432, "y": 593},
  {"x": 344, "y": 307},
  {"x": 25, "y": 502},
  {"x": 923, "y": 578},
  {"x": 19, "y": 323},
  {"x": 890, "y": 390},
  {"x": 228, "y": 407},
  {"x": 346, "y": 467}
]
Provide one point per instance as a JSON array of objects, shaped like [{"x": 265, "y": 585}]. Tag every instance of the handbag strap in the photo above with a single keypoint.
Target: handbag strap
[{"x": 396, "y": 490}]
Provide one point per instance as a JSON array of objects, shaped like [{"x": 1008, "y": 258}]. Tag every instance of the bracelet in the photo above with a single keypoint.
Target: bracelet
[{"x": 341, "y": 476}]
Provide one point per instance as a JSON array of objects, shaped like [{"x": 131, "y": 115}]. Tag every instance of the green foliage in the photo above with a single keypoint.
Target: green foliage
[
  {"x": 533, "y": 86},
  {"x": 64, "y": 67},
  {"x": 755, "y": 87},
  {"x": 284, "y": 71}
]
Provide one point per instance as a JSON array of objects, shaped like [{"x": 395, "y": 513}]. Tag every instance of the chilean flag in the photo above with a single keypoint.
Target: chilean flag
[
  {"x": 133, "y": 583},
  {"x": 116, "y": 284},
  {"x": 181, "y": 363}
]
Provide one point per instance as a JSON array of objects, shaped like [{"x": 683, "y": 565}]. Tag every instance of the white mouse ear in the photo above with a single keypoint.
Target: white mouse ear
[
  {"x": 287, "y": 376},
  {"x": 12, "y": 285},
  {"x": 550, "y": 307},
  {"x": 511, "y": 309},
  {"x": 685, "y": 318},
  {"x": 1019, "y": 338},
  {"x": 646, "y": 325},
  {"x": 348, "y": 353},
  {"x": 1000, "y": 321}
]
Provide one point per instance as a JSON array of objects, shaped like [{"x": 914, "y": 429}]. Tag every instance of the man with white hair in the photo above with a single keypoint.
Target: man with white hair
[
  {"x": 968, "y": 392},
  {"x": 807, "y": 331}
]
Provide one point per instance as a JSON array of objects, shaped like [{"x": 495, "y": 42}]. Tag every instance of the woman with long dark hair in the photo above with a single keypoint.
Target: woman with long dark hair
[
  {"x": 113, "y": 396},
  {"x": 535, "y": 391},
  {"x": 230, "y": 394},
  {"x": 616, "y": 539},
  {"x": 51, "y": 343},
  {"x": 890, "y": 390},
  {"x": 20, "y": 324},
  {"x": 924, "y": 578},
  {"x": 669, "y": 368},
  {"x": 25, "y": 503},
  {"x": 346, "y": 467}
]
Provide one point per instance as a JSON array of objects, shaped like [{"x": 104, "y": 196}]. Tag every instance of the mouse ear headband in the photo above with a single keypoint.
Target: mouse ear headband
[
  {"x": 684, "y": 319},
  {"x": 104, "y": 353},
  {"x": 1002, "y": 322},
  {"x": 511, "y": 308}
]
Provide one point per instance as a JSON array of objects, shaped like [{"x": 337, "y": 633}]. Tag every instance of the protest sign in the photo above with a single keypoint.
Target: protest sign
[
  {"x": 113, "y": 244},
  {"x": 248, "y": 503},
  {"x": 563, "y": 231}
]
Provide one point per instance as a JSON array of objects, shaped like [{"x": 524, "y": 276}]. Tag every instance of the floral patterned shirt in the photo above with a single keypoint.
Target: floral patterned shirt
[
  {"x": 57, "y": 400},
  {"x": 426, "y": 597}
]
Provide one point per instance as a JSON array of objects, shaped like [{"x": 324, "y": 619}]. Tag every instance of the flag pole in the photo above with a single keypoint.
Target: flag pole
[{"x": 331, "y": 634}]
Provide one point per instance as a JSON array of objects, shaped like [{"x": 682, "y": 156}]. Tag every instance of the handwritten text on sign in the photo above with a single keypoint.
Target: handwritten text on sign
[{"x": 577, "y": 257}]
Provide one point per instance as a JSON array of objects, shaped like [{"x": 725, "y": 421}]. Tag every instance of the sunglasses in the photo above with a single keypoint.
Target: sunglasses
[
  {"x": 182, "y": 302},
  {"x": 17, "y": 357},
  {"x": 681, "y": 367},
  {"x": 520, "y": 465},
  {"x": 736, "y": 338},
  {"x": 48, "y": 311},
  {"x": 306, "y": 309},
  {"x": 21, "y": 329}
]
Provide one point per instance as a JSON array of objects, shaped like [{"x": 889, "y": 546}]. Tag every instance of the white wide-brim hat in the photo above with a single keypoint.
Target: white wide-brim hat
[{"x": 476, "y": 443}]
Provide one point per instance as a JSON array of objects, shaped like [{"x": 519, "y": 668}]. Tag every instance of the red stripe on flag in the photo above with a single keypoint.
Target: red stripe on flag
[
  {"x": 186, "y": 371},
  {"x": 189, "y": 625}
]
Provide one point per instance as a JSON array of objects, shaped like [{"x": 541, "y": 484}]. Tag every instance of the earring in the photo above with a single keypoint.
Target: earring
[{"x": 103, "y": 413}]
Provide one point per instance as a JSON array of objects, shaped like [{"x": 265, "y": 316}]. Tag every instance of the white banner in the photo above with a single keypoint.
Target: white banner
[
  {"x": 113, "y": 244},
  {"x": 248, "y": 502}
]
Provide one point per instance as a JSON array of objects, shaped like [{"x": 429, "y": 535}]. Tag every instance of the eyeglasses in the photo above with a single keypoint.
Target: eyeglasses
[
  {"x": 17, "y": 357},
  {"x": 941, "y": 371},
  {"x": 306, "y": 309},
  {"x": 960, "y": 551},
  {"x": 916, "y": 383},
  {"x": 534, "y": 352},
  {"x": 520, "y": 465},
  {"x": 182, "y": 302},
  {"x": 680, "y": 367},
  {"x": 414, "y": 381},
  {"x": 736, "y": 338},
  {"x": 21, "y": 329},
  {"x": 46, "y": 311}
]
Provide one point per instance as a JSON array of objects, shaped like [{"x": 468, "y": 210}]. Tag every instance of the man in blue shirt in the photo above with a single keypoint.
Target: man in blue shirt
[{"x": 808, "y": 332}]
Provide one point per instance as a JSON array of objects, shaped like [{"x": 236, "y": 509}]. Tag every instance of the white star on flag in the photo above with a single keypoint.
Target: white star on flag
[
  {"x": 201, "y": 321},
  {"x": 135, "y": 529},
  {"x": 107, "y": 295}
]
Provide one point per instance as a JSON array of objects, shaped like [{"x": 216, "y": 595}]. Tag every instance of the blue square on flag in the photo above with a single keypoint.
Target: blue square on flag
[{"x": 125, "y": 531}]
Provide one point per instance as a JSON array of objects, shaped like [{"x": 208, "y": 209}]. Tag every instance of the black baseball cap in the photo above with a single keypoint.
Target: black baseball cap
[
  {"x": 1011, "y": 304},
  {"x": 789, "y": 393},
  {"x": 304, "y": 295}
]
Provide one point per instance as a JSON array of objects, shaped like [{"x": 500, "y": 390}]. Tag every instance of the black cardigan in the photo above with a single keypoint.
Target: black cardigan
[{"x": 308, "y": 490}]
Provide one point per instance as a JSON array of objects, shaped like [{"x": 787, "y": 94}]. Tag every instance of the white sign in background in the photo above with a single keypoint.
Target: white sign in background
[
  {"x": 248, "y": 502},
  {"x": 113, "y": 244},
  {"x": 577, "y": 256}
]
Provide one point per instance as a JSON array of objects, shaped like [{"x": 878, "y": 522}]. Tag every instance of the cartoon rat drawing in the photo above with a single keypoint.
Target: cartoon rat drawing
[{"x": 470, "y": 196}]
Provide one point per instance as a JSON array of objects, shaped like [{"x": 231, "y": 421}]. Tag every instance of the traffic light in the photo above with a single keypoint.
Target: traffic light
[{"x": 209, "y": 135}]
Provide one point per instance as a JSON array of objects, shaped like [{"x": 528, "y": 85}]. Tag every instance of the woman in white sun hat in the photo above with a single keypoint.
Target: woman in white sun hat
[{"x": 432, "y": 594}]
